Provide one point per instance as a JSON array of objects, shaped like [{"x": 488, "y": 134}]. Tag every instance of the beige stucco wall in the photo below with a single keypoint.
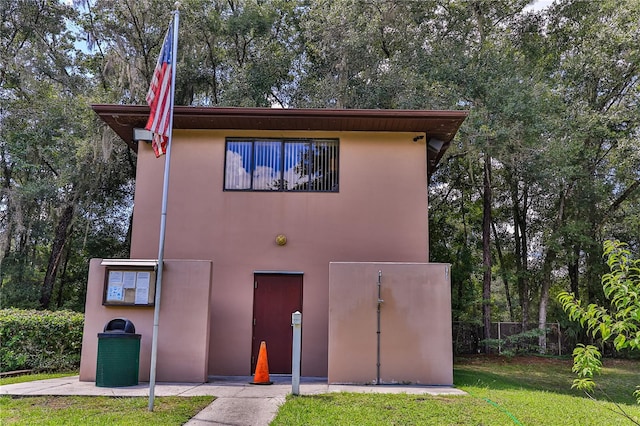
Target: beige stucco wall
[
  {"x": 183, "y": 330},
  {"x": 415, "y": 323},
  {"x": 380, "y": 214}
]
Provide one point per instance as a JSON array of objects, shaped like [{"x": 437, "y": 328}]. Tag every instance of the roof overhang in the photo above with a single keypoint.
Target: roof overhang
[{"x": 439, "y": 126}]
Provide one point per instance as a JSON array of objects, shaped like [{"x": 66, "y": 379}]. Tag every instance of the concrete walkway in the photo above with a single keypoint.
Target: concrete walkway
[{"x": 237, "y": 402}]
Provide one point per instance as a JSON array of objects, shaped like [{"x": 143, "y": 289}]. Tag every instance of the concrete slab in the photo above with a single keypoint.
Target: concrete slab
[
  {"x": 397, "y": 389},
  {"x": 238, "y": 411},
  {"x": 216, "y": 390}
]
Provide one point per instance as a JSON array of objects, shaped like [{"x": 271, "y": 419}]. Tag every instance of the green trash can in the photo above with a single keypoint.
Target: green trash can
[{"x": 118, "y": 354}]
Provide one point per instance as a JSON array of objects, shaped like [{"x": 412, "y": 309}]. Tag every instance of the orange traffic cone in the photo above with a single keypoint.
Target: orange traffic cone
[{"x": 261, "y": 376}]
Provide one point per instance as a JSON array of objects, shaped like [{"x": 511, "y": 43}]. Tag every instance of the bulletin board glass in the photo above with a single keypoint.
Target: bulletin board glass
[{"x": 129, "y": 286}]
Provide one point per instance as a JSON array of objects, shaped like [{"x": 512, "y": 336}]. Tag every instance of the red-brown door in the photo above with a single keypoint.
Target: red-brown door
[{"x": 275, "y": 298}]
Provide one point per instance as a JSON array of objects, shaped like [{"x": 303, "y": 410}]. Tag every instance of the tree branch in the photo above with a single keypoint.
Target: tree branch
[{"x": 614, "y": 206}]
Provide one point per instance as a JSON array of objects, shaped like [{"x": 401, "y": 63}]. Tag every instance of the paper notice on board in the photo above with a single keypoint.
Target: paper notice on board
[
  {"x": 143, "y": 280},
  {"x": 129, "y": 280},
  {"x": 115, "y": 292},
  {"x": 115, "y": 277},
  {"x": 142, "y": 296}
]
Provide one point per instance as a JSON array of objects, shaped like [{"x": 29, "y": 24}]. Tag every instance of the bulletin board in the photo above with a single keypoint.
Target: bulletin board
[{"x": 129, "y": 286}]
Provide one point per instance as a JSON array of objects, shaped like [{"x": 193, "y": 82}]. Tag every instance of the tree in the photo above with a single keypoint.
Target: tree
[
  {"x": 620, "y": 322},
  {"x": 40, "y": 86},
  {"x": 596, "y": 68},
  {"x": 57, "y": 166},
  {"x": 543, "y": 169},
  {"x": 477, "y": 53},
  {"x": 317, "y": 167}
]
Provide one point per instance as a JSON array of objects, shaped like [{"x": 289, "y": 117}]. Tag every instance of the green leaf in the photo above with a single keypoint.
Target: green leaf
[{"x": 619, "y": 341}]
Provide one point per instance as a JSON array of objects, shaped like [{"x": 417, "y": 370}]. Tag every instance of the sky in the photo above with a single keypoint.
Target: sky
[{"x": 539, "y": 4}]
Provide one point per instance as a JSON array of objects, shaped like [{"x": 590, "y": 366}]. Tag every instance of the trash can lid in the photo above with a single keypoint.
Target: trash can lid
[{"x": 119, "y": 325}]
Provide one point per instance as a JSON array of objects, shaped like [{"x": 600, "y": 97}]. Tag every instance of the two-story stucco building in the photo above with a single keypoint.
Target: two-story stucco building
[{"x": 276, "y": 210}]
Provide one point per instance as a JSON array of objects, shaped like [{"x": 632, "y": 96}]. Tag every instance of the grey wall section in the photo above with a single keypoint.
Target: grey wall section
[
  {"x": 415, "y": 338},
  {"x": 183, "y": 334}
]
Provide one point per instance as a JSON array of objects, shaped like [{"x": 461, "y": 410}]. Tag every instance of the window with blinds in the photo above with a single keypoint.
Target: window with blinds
[{"x": 308, "y": 165}]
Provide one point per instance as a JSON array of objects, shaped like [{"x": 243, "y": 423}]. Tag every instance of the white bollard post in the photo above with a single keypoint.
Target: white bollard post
[{"x": 296, "y": 323}]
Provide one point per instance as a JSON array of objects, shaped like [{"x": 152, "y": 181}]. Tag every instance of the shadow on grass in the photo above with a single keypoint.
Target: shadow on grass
[{"x": 616, "y": 384}]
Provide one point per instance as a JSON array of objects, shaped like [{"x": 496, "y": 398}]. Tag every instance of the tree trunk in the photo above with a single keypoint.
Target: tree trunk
[
  {"x": 574, "y": 270},
  {"x": 521, "y": 252},
  {"x": 5, "y": 243},
  {"x": 486, "y": 250},
  {"x": 594, "y": 267},
  {"x": 544, "y": 298},
  {"x": 547, "y": 267},
  {"x": 63, "y": 276},
  {"x": 60, "y": 238},
  {"x": 503, "y": 271},
  {"x": 21, "y": 251}
]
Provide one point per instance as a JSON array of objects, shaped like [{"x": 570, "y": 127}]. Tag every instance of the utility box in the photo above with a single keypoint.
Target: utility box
[{"x": 118, "y": 354}]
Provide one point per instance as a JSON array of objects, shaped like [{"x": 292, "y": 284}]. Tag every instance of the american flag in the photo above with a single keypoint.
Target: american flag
[{"x": 159, "y": 97}]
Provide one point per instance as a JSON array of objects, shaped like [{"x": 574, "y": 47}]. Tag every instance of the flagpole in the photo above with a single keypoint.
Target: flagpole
[{"x": 163, "y": 218}]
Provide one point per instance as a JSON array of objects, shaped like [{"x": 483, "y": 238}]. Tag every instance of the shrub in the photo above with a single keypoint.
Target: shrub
[
  {"x": 40, "y": 340},
  {"x": 525, "y": 342},
  {"x": 620, "y": 321}
]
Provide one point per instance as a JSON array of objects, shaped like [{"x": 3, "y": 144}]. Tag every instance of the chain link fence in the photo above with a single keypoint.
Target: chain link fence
[{"x": 509, "y": 338}]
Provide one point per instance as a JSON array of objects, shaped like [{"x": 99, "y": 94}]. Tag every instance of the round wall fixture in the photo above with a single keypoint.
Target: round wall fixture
[{"x": 281, "y": 240}]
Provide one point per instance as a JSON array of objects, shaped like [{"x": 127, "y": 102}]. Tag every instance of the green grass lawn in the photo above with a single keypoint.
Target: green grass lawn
[
  {"x": 527, "y": 391},
  {"x": 502, "y": 391},
  {"x": 92, "y": 410},
  {"x": 99, "y": 410},
  {"x": 32, "y": 377}
]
